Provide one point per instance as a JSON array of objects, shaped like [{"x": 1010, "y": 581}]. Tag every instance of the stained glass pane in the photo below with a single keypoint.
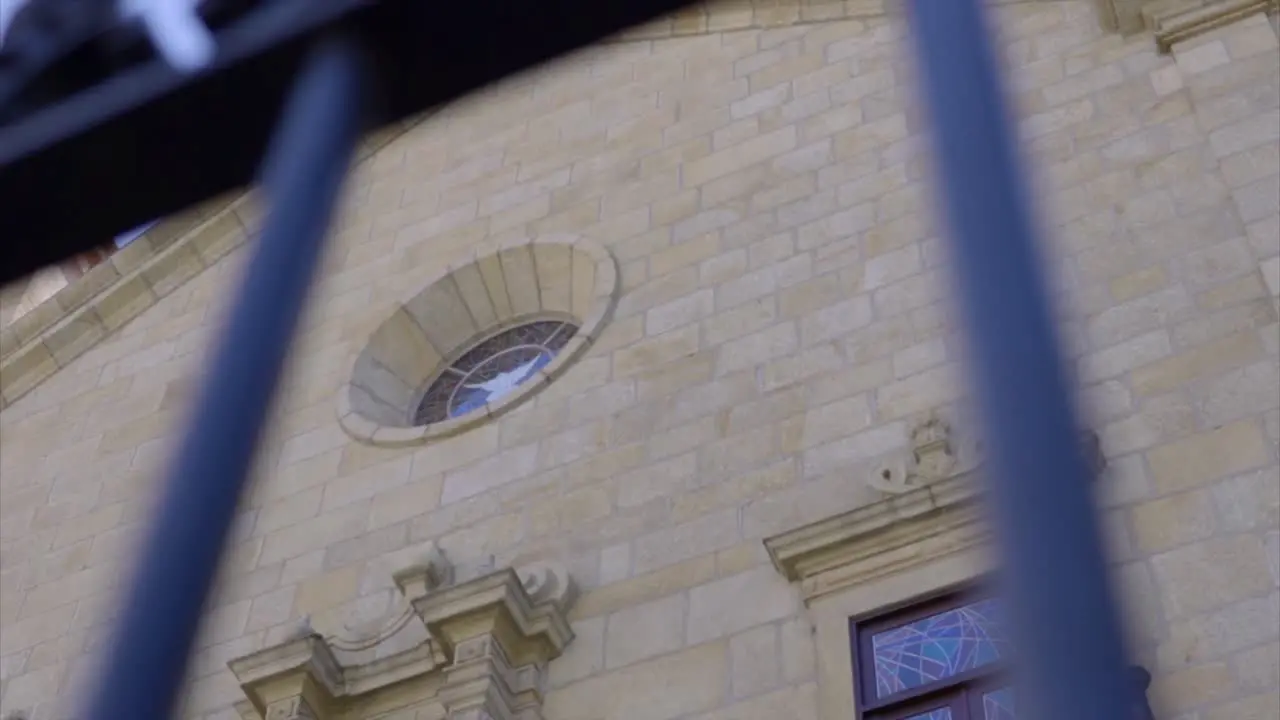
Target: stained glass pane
[
  {"x": 937, "y": 647},
  {"x": 942, "y": 713},
  {"x": 998, "y": 705},
  {"x": 492, "y": 369},
  {"x": 435, "y": 404}
]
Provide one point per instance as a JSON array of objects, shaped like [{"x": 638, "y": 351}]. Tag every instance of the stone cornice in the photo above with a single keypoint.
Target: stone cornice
[
  {"x": 488, "y": 642},
  {"x": 530, "y": 632},
  {"x": 930, "y": 509},
  {"x": 1175, "y": 21},
  {"x": 303, "y": 667},
  {"x": 880, "y": 539}
]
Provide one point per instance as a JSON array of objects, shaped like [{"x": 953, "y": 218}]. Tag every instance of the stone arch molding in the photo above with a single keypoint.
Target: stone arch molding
[{"x": 555, "y": 277}]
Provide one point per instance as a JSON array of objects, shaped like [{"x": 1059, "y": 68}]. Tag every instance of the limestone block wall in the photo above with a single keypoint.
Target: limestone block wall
[{"x": 781, "y": 324}]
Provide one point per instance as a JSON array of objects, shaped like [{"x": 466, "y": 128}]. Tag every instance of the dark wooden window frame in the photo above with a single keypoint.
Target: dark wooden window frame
[{"x": 962, "y": 692}]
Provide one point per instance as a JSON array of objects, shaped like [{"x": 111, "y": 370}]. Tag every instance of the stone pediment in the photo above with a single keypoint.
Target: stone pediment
[{"x": 487, "y": 643}]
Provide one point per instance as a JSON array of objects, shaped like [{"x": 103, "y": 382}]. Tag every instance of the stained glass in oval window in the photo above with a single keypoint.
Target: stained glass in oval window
[
  {"x": 492, "y": 369},
  {"x": 937, "y": 647}
]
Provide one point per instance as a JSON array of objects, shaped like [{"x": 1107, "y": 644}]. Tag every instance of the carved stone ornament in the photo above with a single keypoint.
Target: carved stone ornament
[
  {"x": 931, "y": 457},
  {"x": 484, "y": 648},
  {"x": 930, "y": 513},
  {"x": 1174, "y": 21},
  {"x": 936, "y": 454}
]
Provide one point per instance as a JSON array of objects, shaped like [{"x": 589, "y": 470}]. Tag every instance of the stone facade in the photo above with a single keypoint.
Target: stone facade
[{"x": 763, "y": 436}]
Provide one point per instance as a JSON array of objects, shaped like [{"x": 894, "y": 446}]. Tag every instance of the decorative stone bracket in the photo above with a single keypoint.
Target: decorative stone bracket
[{"x": 489, "y": 641}]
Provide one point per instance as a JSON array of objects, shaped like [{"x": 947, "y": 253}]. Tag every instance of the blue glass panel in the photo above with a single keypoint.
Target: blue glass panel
[
  {"x": 943, "y": 713},
  {"x": 998, "y": 705},
  {"x": 506, "y": 372},
  {"x": 937, "y": 647},
  {"x": 493, "y": 369}
]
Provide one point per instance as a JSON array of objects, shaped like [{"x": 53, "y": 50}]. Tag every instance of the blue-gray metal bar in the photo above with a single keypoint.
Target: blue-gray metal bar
[
  {"x": 1066, "y": 631},
  {"x": 304, "y": 170}
]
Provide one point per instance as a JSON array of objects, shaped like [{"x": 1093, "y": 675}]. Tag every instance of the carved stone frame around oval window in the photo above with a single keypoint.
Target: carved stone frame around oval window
[{"x": 564, "y": 277}]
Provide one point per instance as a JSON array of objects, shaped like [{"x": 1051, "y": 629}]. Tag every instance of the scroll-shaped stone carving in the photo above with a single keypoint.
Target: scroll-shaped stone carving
[
  {"x": 547, "y": 582},
  {"x": 381, "y": 624}
]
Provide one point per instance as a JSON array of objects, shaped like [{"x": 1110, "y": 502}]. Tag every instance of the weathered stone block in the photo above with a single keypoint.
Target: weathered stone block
[
  {"x": 1200, "y": 459},
  {"x": 644, "y": 631},
  {"x": 1212, "y": 573}
]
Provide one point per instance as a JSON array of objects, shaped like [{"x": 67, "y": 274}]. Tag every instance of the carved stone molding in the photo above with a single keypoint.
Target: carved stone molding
[
  {"x": 488, "y": 642},
  {"x": 930, "y": 511},
  {"x": 1174, "y": 21},
  {"x": 882, "y": 538},
  {"x": 281, "y": 680},
  {"x": 496, "y": 605}
]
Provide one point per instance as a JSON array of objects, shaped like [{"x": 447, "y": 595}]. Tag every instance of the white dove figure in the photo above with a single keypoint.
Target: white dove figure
[{"x": 507, "y": 381}]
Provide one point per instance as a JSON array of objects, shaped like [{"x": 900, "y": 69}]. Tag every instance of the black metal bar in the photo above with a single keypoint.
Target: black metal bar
[
  {"x": 125, "y": 150},
  {"x": 309, "y": 157},
  {"x": 1065, "y": 627}
]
